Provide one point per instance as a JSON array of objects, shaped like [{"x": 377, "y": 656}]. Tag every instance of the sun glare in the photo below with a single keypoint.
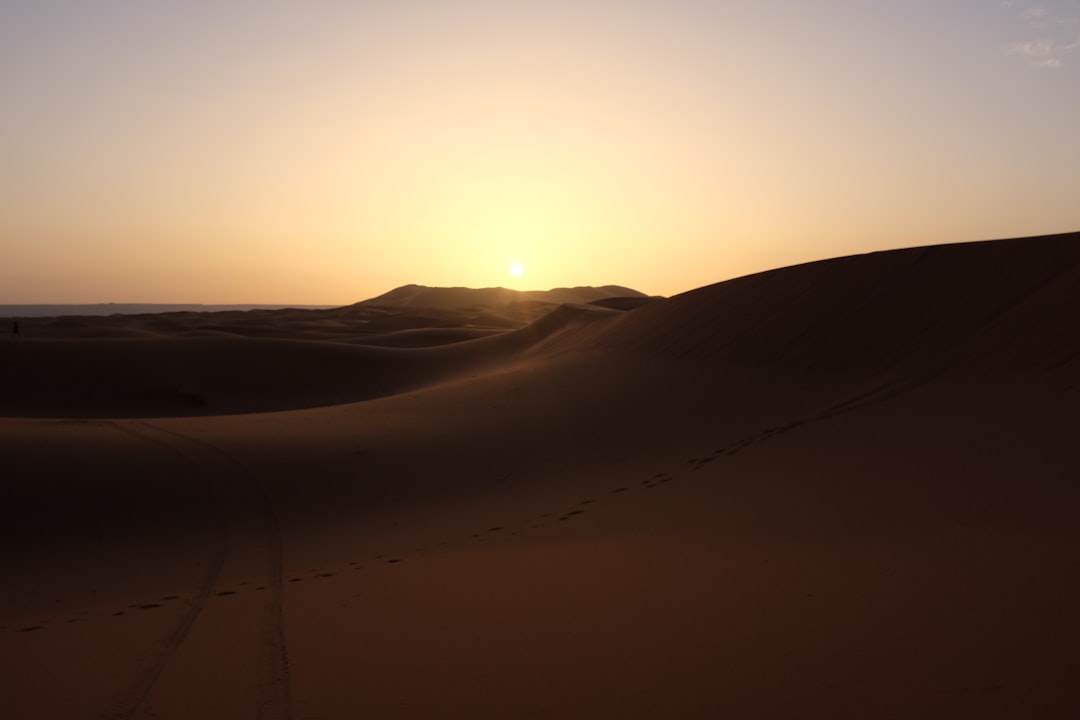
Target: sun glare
[{"x": 516, "y": 269}]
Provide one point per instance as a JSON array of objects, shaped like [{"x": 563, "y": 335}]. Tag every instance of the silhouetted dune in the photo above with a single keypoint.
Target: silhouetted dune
[
  {"x": 419, "y": 296},
  {"x": 461, "y": 313},
  {"x": 987, "y": 305},
  {"x": 625, "y": 303},
  {"x": 212, "y": 371}
]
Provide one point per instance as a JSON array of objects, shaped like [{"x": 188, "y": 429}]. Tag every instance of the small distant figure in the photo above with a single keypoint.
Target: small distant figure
[{"x": 15, "y": 329}]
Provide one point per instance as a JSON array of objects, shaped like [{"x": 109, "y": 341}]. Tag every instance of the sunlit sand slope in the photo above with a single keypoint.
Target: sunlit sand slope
[{"x": 847, "y": 494}]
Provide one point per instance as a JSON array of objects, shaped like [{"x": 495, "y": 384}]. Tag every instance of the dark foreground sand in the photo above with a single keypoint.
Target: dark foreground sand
[{"x": 840, "y": 490}]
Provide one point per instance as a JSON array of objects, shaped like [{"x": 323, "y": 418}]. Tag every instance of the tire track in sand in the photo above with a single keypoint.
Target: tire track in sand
[
  {"x": 133, "y": 697},
  {"x": 275, "y": 700}
]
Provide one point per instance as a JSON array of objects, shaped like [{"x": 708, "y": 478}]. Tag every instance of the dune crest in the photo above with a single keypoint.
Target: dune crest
[{"x": 995, "y": 305}]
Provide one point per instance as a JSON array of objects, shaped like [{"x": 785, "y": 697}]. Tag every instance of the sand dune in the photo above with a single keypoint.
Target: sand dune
[
  {"x": 840, "y": 490},
  {"x": 200, "y": 364},
  {"x": 460, "y": 313},
  {"x": 951, "y": 306},
  {"x": 419, "y": 296}
]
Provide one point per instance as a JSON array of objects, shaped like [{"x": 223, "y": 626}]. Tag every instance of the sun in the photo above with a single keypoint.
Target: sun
[{"x": 516, "y": 269}]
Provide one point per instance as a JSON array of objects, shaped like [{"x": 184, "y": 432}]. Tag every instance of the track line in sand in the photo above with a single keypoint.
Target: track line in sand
[
  {"x": 143, "y": 682},
  {"x": 234, "y": 494},
  {"x": 274, "y": 702},
  {"x": 877, "y": 393},
  {"x": 880, "y": 392}
]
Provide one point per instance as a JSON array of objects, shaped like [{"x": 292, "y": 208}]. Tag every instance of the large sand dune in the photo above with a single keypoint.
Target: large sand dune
[{"x": 846, "y": 489}]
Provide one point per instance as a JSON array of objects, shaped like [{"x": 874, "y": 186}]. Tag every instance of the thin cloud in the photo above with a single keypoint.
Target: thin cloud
[
  {"x": 1035, "y": 50},
  {"x": 1054, "y": 34},
  {"x": 1034, "y": 15}
]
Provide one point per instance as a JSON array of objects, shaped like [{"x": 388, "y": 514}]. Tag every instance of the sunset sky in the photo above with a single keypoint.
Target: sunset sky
[{"x": 325, "y": 151}]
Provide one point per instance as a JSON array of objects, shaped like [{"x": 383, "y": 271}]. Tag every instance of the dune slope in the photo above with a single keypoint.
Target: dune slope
[
  {"x": 839, "y": 490},
  {"x": 1007, "y": 304}
]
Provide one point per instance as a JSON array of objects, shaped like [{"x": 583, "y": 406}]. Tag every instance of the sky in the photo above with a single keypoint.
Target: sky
[{"x": 326, "y": 151}]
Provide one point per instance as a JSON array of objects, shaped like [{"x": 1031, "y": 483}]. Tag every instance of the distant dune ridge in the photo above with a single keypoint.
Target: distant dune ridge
[
  {"x": 419, "y": 296},
  {"x": 191, "y": 363},
  {"x": 843, "y": 489},
  {"x": 464, "y": 310},
  {"x": 106, "y": 309}
]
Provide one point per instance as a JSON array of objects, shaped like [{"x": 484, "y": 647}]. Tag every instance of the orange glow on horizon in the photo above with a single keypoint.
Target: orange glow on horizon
[{"x": 327, "y": 154}]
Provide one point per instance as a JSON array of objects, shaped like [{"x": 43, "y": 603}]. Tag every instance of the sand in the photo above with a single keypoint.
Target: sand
[{"x": 846, "y": 489}]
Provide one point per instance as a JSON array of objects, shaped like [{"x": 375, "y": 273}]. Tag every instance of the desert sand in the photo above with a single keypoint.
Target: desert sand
[{"x": 846, "y": 489}]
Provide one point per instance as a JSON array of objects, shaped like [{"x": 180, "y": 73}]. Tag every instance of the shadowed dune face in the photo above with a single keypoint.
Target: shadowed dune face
[
  {"x": 210, "y": 376},
  {"x": 227, "y": 363},
  {"x": 997, "y": 305},
  {"x": 357, "y": 324}
]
